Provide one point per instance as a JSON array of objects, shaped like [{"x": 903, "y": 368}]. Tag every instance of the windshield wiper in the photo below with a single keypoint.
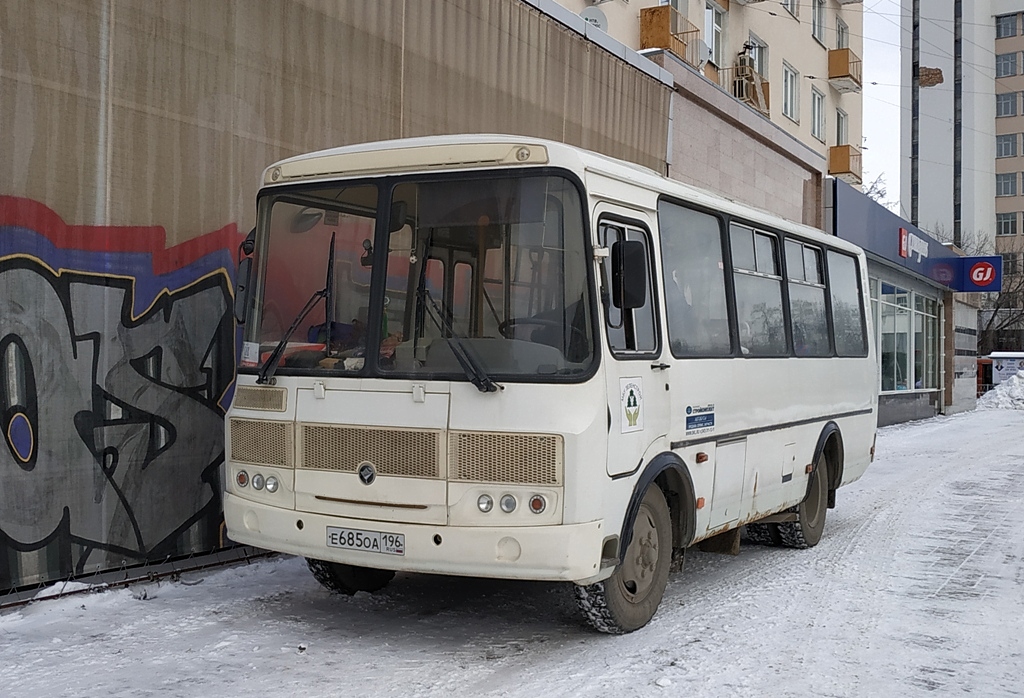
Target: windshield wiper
[
  {"x": 327, "y": 293},
  {"x": 470, "y": 366}
]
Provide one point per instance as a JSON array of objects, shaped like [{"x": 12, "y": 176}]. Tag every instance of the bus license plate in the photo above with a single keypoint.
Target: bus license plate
[{"x": 368, "y": 541}]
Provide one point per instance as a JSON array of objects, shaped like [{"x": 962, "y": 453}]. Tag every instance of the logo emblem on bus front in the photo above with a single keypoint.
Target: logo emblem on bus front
[{"x": 367, "y": 473}]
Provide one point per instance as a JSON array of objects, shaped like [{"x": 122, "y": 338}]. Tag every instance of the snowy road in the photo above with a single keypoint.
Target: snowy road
[{"x": 917, "y": 588}]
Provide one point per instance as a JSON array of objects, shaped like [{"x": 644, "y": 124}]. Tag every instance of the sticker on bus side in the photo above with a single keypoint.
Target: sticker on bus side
[
  {"x": 631, "y": 398},
  {"x": 700, "y": 419}
]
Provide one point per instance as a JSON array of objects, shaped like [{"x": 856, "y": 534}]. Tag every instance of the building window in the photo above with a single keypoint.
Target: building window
[
  {"x": 842, "y": 34},
  {"x": 790, "y": 93},
  {"x": 714, "y": 20},
  {"x": 842, "y": 127},
  {"x": 1006, "y": 146},
  {"x": 1009, "y": 263},
  {"x": 817, "y": 115},
  {"x": 758, "y": 55},
  {"x": 818, "y": 20},
  {"x": 1006, "y": 26},
  {"x": 791, "y": 6},
  {"x": 1006, "y": 184},
  {"x": 1006, "y": 104},
  {"x": 908, "y": 327},
  {"x": 1006, "y": 65},
  {"x": 1006, "y": 224}
]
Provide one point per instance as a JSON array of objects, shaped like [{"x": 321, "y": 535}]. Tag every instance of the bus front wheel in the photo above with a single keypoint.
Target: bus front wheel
[
  {"x": 627, "y": 600},
  {"x": 348, "y": 579},
  {"x": 806, "y": 531}
]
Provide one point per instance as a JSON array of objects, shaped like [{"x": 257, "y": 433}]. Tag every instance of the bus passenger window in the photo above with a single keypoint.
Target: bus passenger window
[
  {"x": 808, "y": 320},
  {"x": 695, "y": 301},
  {"x": 758, "y": 285},
  {"x": 847, "y": 315}
]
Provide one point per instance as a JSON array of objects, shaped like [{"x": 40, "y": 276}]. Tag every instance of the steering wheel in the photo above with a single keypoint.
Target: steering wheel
[{"x": 507, "y": 327}]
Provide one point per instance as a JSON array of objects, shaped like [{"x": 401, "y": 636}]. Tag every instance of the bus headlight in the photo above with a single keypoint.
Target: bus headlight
[
  {"x": 508, "y": 503},
  {"x": 272, "y": 484},
  {"x": 485, "y": 503},
  {"x": 257, "y": 482}
]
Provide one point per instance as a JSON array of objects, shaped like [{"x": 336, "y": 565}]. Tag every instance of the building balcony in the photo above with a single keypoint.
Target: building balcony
[
  {"x": 844, "y": 70},
  {"x": 747, "y": 85},
  {"x": 666, "y": 28},
  {"x": 844, "y": 163}
]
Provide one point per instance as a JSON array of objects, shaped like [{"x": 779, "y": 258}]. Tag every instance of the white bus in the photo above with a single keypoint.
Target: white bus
[{"x": 505, "y": 357}]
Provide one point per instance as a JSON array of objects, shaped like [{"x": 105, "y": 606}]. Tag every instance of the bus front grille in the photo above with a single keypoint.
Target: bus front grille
[
  {"x": 262, "y": 442},
  {"x": 399, "y": 452},
  {"x": 267, "y": 399},
  {"x": 528, "y": 459}
]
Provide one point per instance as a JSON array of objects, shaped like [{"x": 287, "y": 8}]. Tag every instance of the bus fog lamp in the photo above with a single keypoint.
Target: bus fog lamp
[
  {"x": 508, "y": 503},
  {"x": 257, "y": 482},
  {"x": 242, "y": 478},
  {"x": 272, "y": 484},
  {"x": 484, "y": 503},
  {"x": 538, "y": 504}
]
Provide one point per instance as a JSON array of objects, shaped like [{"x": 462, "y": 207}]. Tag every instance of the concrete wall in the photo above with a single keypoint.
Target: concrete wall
[{"x": 133, "y": 135}]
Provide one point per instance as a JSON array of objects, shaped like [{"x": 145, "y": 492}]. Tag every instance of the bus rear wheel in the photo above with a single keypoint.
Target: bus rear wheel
[
  {"x": 627, "y": 600},
  {"x": 806, "y": 531},
  {"x": 348, "y": 579}
]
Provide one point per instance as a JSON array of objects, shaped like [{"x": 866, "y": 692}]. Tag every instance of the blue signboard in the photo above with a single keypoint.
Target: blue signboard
[{"x": 881, "y": 232}]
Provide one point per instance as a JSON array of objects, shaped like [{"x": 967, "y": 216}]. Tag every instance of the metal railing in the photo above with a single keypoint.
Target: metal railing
[{"x": 747, "y": 85}]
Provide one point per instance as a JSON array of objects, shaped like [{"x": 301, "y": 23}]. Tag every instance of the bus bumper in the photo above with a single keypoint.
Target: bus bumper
[{"x": 570, "y": 552}]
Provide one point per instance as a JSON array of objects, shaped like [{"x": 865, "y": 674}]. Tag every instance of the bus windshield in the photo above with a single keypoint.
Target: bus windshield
[{"x": 479, "y": 276}]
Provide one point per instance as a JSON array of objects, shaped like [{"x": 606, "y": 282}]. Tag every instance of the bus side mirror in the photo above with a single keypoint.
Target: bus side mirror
[
  {"x": 629, "y": 274},
  {"x": 242, "y": 289}
]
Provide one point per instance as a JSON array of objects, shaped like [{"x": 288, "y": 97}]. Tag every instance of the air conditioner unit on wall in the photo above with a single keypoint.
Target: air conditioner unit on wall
[{"x": 743, "y": 88}]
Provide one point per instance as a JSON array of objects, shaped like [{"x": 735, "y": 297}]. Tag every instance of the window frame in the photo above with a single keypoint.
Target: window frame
[
  {"x": 1001, "y": 179},
  {"x": 1003, "y": 99},
  {"x": 759, "y": 55},
  {"x": 790, "y": 93},
  {"x": 818, "y": 21},
  {"x": 1001, "y": 140},
  {"x": 1010, "y": 227},
  {"x": 1011, "y": 263},
  {"x": 609, "y": 218},
  {"x": 842, "y": 33},
  {"x": 842, "y": 127},
  {"x": 818, "y": 126},
  {"x": 714, "y": 32},
  {"x": 791, "y": 6},
  {"x": 1004, "y": 67},
  {"x": 1001, "y": 25}
]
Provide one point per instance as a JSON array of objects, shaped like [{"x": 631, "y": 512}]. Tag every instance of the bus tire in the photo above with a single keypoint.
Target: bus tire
[
  {"x": 763, "y": 533},
  {"x": 348, "y": 579},
  {"x": 806, "y": 531},
  {"x": 628, "y": 599}
]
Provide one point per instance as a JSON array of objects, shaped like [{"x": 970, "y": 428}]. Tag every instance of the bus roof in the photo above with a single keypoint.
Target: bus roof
[{"x": 481, "y": 150}]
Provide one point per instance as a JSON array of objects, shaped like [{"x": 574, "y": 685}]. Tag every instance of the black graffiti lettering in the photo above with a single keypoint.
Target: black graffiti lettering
[{"x": 123, "y": 412}]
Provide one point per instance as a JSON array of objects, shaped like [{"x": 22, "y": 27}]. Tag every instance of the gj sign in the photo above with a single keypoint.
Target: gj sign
[{"x": 980, "y": 274}]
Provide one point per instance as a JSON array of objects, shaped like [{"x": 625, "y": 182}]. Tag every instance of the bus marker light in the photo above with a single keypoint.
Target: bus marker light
[
  {"x": 809, "y": 468},
  {"x": 702, "y": 457},
  {"x": 485, "y": 503},
  {"x": 700, "y": 502},
  {"x": 537, "y": 504},
  {"x": 508, "y": 503},
  {"x": 257, "y": 482},
  {"x": 242, "y": 478},
  {"x": 272, "y": 484}
]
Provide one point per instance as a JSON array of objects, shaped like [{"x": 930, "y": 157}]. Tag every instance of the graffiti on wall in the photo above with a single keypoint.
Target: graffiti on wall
[{"x": 117, "y": 361}]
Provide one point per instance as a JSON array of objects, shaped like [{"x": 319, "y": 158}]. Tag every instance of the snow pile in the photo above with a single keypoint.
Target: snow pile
[
  {"x": 1008, "y": 395},
  {"x": 60, "y": 589}
]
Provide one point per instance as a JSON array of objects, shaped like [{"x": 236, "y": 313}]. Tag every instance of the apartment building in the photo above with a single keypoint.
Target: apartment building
[
  {"x": 767, "y": 94},
  {"x": 1001, "y": 319}
]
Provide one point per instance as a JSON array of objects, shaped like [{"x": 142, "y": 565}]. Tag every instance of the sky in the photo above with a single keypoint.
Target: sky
[{"x": 882, "y": 95}]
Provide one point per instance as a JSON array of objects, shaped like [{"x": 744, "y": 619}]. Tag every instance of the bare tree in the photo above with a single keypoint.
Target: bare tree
[{"x": 1001, "y": 318}]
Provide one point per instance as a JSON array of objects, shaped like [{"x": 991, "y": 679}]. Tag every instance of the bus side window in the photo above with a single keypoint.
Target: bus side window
[
  {"x": 758, "y": 284},
  {"x": 629, "y": 331},
  {"x": 846, "y": 298},
  {"x": 695, "y": 299}
]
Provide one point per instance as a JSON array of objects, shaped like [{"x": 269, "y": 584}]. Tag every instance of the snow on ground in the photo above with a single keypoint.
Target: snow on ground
[
  {"x": 916, "y": 589},
  {"x": 1008, "y": 395}
]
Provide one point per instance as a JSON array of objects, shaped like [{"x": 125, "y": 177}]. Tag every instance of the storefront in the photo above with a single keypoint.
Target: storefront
[{"x": 925, "y": 332}]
